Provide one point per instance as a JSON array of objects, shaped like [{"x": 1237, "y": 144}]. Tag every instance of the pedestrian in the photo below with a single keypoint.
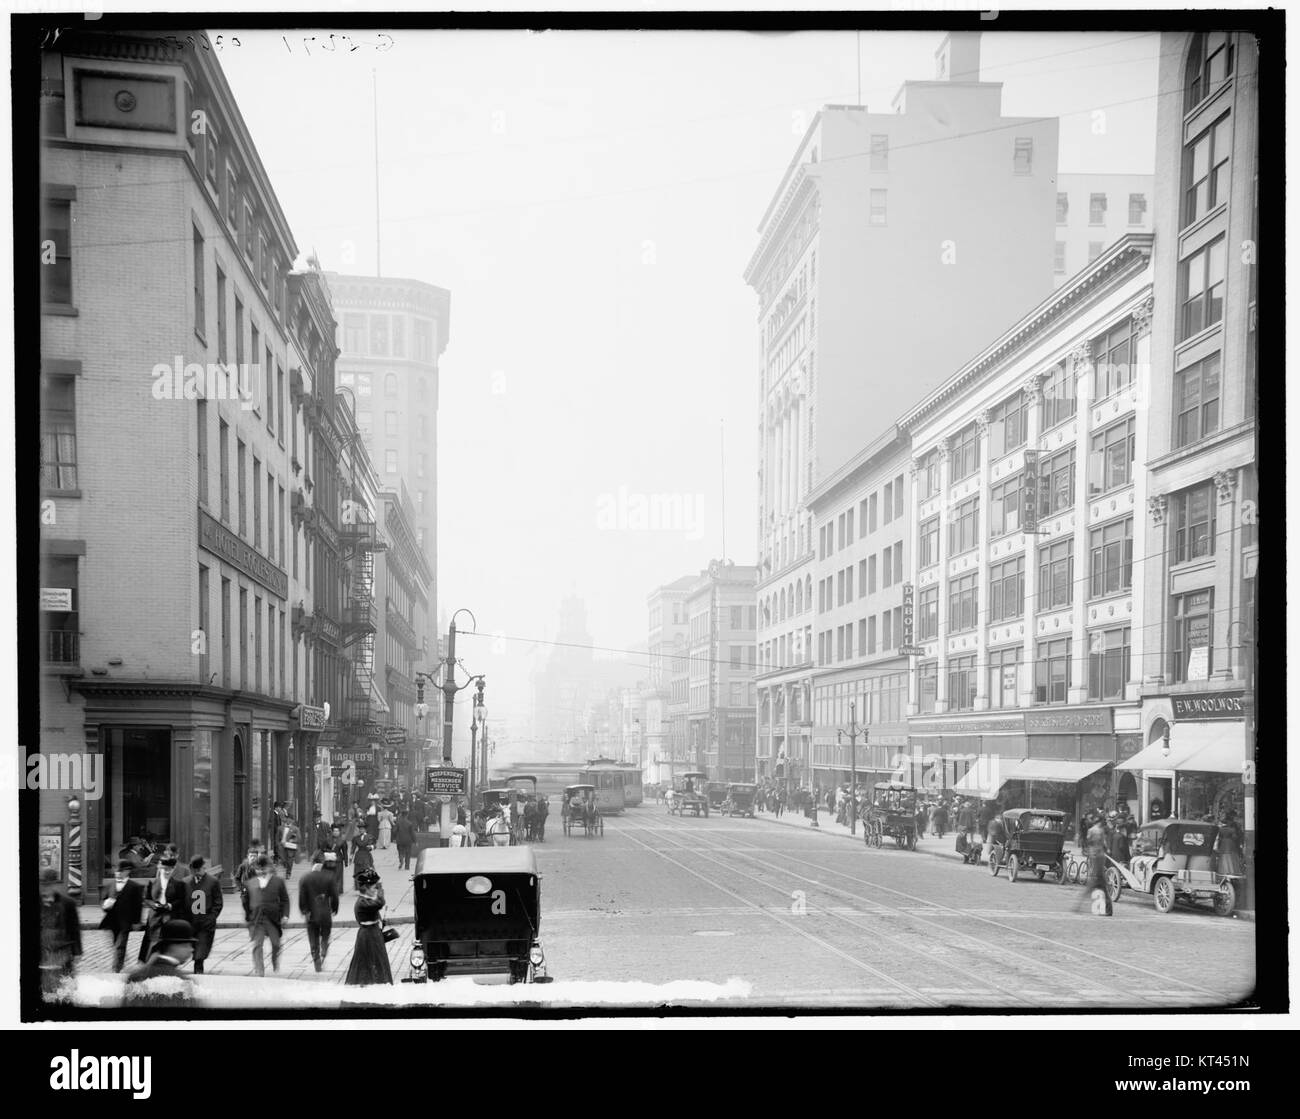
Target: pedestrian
[
  {"x": 165, "y": 899},
  {"x": 404, "y": 837},
  {"x": 779, "y": 804},
  {"x": 543, "y": 810},
  {"x": 339, "y": 847},
  {"x": 202, "y": 907},
  {"x": 385, "y": 818},
  {"x": 266, "y": 908},
  {"x": 966, "y": 822},
  {"x": 60, "y": 933},
  {"x": 318, "y": 902},
  {"x": 370, "y": 952},
  {"x": 1117, "y": 839},
  {"x": 371, "y": 820},
  {"x": 320, "y": 833},
  {"x": 362, "y": 860},
  {"x": 248, "y": 868},
  {"x": 288, "y": 839},
  {"x": 174, "y": 950},
  {"x": 122, "y": 910},
  {"x": 1228, "y": 844},
  {"x": 941, "y": 819},
  {"x": 352, "y": 829},
  {"x": 1095, "y": 892}
]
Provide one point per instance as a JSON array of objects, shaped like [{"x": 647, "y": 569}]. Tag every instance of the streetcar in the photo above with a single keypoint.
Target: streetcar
[
  {"x": 608, "y": 779},
  {"x": 629, "y": 774}
]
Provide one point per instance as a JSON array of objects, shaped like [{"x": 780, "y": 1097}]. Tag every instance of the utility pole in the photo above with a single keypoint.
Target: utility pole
[{"x": 852, "y": 732}]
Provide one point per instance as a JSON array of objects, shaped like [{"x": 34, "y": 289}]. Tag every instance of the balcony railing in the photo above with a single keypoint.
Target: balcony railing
[{"x": 62, "y": 646}]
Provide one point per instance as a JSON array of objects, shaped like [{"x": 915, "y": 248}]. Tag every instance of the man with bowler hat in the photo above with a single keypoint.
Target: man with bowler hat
[
  {"x": 203, "y": 904},
  {"x": 166, "y": 898},
  {"x": 266, "y": 908},
  {"x": 122, "y": 910},
  {"x": 318, "y": 902}
]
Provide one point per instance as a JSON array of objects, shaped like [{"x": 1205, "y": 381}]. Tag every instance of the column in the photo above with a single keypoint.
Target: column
[
  {"x": 982, "y": 566},
  {"x": 913, "y": 566},
  {"x": 1077, "y": 692},
  {"x": 1033, "y": 389},
  {"x": 1225, "y": 630},
  {"x": 1142, "y": 638},
  {"x": 941, "y": 686},
  {"x": 1156, "y": 573}
]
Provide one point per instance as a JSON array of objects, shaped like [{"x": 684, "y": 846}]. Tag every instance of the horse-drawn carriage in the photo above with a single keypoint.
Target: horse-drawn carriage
[
  {"x": 689, "y": 795},
  {"x": 892, "y": 813},
  {"x": 579, "y": 810}
]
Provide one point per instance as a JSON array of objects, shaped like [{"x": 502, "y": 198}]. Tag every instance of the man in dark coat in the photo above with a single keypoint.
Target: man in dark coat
[
  {"x": 60, "y": 932},
  {"x": 174, "y": 949},
  {"x": 404, "y": 838},
  {"x": 320, "y": 839},
  {"x": 318, "y": 902},
  {"x": 543, "y": 810},
  {"x": 339, "y": 846},
  {"x": 203, "y": 905},
  {"x": 122, "y": 910},
  {"x": 165, "y": 898},
  {"x": 266, "y": 908}
]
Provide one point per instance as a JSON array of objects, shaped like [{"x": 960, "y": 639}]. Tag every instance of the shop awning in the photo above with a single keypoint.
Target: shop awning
[
  {"x": 377, "y": 700},
  {"x": 1195, "y": 748},
  {"x": 1049, "y": 769},
  {"x": 982, "y": 781}
]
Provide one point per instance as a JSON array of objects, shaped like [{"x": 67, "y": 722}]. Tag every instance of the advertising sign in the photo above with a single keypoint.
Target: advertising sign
[{"x": 441, "y": 780}]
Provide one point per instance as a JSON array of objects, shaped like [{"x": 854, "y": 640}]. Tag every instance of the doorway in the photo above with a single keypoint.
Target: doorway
[
  {"x": 138, "y": 766},
  {"x": 241, "y": 795}
]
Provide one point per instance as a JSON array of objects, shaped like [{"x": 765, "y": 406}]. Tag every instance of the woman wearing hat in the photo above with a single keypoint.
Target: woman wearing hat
[
  {"x": 363, "y": 860},
  {"x": 1228, "y": 844},
  {"x": 370, "y": 953}
]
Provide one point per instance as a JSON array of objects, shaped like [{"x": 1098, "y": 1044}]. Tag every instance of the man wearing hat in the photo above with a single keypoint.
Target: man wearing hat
[
  {"x": 174, "y": 949},
  {"x": 165, "y": 899},
  {"x": 122, "y": 910},
  {"x": 60, "y": 932},
  {"x": 202, "y": 905},
  {"x": 266, "y": 908},
  {"x": 318, "y": 902}
]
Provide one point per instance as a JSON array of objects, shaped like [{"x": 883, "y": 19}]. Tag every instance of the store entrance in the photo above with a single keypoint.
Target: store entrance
[{"x": 139, "y": 766}]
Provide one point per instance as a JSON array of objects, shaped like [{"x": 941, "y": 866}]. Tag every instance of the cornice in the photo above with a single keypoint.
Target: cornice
[{"x": 802, "y": 185}]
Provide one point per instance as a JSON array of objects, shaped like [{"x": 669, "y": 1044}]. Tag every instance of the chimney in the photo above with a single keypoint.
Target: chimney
[{"x": 958, "y": 57}]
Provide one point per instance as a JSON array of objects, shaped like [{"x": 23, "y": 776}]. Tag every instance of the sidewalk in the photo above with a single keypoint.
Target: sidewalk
[{"x": 397, "y": 892}]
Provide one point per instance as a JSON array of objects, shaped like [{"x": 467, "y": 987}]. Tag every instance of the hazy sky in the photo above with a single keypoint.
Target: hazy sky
[{"x": 591, "y": 200}]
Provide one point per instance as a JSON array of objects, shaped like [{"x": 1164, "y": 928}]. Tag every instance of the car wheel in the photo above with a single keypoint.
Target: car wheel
[
  {"x": 1164, "y": 894},
  {"x": 1060, "y": 874},
  {"x": 1114, "y": 884},
  {"x": 994, "y": 865},
  {"x": 1013, "y": 867},
  {"x": 1225, "y": 901}
]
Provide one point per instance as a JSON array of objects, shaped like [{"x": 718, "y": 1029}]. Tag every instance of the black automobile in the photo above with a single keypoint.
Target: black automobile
[{"x": 1033, "y": 839}]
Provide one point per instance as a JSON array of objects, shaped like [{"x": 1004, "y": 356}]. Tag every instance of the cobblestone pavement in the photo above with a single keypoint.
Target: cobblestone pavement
[{"x": 800, "y": 917}]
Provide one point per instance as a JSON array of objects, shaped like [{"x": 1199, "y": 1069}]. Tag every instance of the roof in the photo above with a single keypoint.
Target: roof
[{"x": 476, "y": 860}]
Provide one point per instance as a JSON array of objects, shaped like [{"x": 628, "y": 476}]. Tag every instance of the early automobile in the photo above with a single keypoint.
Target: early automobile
[
  {"x": 1175, "y": 860},
  {"x": 578, "y": 809},
  {"x": 716, "y": 791},
  {"x": 740, "y": 799},
  {"x": 688, "y": 794},
  {"x": 1032, "y": 839},
  {"x": 477, "y": 913},
  {"x": 892, "y": 813}
]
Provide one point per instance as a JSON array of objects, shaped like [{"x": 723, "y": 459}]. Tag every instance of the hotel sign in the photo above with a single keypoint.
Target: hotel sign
[
  {"x": 214, "y": 537},
  {"x": 1209, "y": 706}
]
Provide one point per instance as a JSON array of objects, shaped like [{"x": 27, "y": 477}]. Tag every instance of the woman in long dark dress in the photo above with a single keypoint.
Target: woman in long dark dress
[
  {"x": 1228, "y": 844},
  {"x": 370, "y": 954}
]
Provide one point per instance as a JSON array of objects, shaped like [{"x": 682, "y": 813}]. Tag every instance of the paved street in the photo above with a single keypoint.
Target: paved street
[{"x": 801, "y": 917}]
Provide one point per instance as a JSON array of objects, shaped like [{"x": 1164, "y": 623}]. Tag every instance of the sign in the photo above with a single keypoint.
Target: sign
[
  {"x": 214, "y": 537},
  {"x": 311, "y": 718},
  {"x": 1198, "y": 664},
  {"x": 49, "y": 848},
  {"x": 57, "y": 600},
  {"x": 395, "y": 736},
  {"x": 1208, "y": 706},
  {"x": 1029, "y": 493},
  {"x": 911, "y": 651},
  {"x": 907, "y": 619},
  {"x": 1079, "y": 721},
  {"x": 444, "y": 781}
]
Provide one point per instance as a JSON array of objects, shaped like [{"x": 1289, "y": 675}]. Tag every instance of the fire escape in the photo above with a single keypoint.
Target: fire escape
[{"x": 359, "y": 541}]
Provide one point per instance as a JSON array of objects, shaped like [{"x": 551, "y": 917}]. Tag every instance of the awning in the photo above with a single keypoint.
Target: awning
[
  {"x": 377, "y": 699},
  {"x": 983, "y": 779},
  {"x": 1195, "y": 748},
  {"x": 1049, "y": 769}
]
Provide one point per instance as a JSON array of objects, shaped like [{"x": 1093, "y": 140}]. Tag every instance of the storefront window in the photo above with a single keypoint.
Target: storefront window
[
  {"x": 201, "y": 809},
  {"x": 256, "y": 772},
  {"x": 1203, "y": 796}
]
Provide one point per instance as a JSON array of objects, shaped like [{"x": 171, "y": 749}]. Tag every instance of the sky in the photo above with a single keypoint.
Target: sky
[{"x": 591, "y": 199}]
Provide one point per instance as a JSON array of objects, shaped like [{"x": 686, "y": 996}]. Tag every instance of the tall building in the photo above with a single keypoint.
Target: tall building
[
  {"x": 721, "y": 620},
  {"x": 873, "y": 273},
  {"x": 1202, "y": 505},
  {"x": 392, "y": 333},
  {"x": 664, "y": 750},
  {"x": 1095, "y": 211},
  {"x": 195, "y": 468}
]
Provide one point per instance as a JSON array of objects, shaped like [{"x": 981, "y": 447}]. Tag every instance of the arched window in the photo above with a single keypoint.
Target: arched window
[
  {"x": 807, "y": 593},
  {"x": 790, "y": 598},
  {"x": 798, "y": 597},
  {"x": 1209, "y": 65},
  {"x": 781, "y": 615},
  {"x": 390, "y": 385}
]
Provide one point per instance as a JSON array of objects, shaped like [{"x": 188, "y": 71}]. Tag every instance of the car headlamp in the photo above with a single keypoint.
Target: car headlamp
[{"x": 535, "y": 956}]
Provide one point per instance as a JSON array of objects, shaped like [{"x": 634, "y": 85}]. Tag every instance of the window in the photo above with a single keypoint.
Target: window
[
  {"x": 879, "y": 153},
  {"x": 1196, "y": 401},
  {"x": 223, "y": 464},
  {"x": 862, "y": 578},
  {"x": 257, "y": 502},
  {"x": 878, "y": 207},
  {"x": 886, "y": 635},
  {"x": 390, "y": 462},
  {"x": 58, "y": 433},
  {"x": 1023, "y": 160},
  {"x": 241, "y": 492},
  {"x": 963, "y": 600},
  {"x": 202, "y": 443},
  {"x": 871, "y": 635},
  {"x": 871, "y": 575},
  {"x": 1114, "y": 355},
  {"x": 965, "y": 454},
  {"x": 232, "y": 199},
  {"x": 1110, "y": 457},
  {"x": 250, "y": 224},
  {"x": 839, "y": 643},
  {"x": 200, "y": 308},
  {"x": 862, "y": 637},
  {"x": 1137, "y": 209},
  {"x": 279, "y": 392},
  {"x": 1209, "y": 65},
  {"x": 213, "y": 157},
  {"x": 1193, "y": 519},
  {"x": 390, "y": 385},
  {"x": 887, "y": 567},
  {"x": 1056, "y": 574},
  {"x": 888, "y": 503},
  {"x": 266, "y": 263},
  {"x": 898, "y": 625},
  {"x": 257, "y": 643},
  {"x": 1007, "y": 589},
  {"x": 927, "y": 614},
  {"x": 390, "y": 424},
  {"x": 1004, "y": 676},
  {"x": 354, "y": 333},
  {"x": 963, "y": 528},
  {"x": 1109, "y": 657},
  {"x": 929, "y": 476},
  {"x": 1008, "y": 425},
  {"x": 1062, "y": 209},
  {"x": 223, "y": 354},
  {"x": 1094, "y": 250},
  {"x": 1202, "y": 285},
  {"x": 1052, "y": 671},
  {"x": 840, "y": 526},
  {"x": 1004, "y": 506},
  {"x": 270, "y": 514},
  {"x": 928, "y": 681},
  {"x": 61, "y": 628},
  {"x": 1096, "y": 209},
  {"x": 848, "y": 641},
  {"x": 1058, "y": 259},
  {"x": 1056, "y": 483},
  {"x": 1206, "y": 170},
  {"x": 848, "y": 527},
  {"x": 1191, "y": 631},
  {"x": 928, "y": 544},
  {"x": 898, "y": 497},
  {"x": 1110, "y": 558},
  {"x": 961, "y": 683}
]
